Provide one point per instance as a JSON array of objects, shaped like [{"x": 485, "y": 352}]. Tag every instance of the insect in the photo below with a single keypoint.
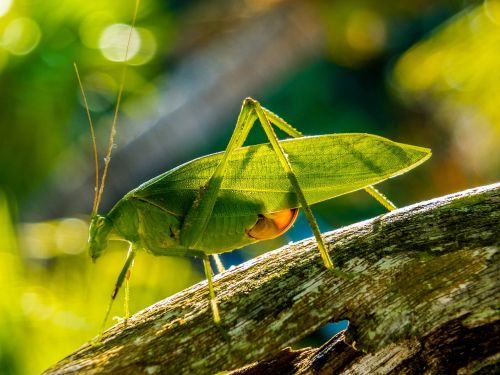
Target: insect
[{"x": 227, "y": 200}]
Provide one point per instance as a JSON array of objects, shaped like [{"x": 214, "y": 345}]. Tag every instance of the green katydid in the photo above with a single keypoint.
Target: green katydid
[{"x": 243, "y": 195}]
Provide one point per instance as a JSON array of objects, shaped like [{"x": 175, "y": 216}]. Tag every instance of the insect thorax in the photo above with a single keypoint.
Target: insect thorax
[{"x": 147, "y": 226}]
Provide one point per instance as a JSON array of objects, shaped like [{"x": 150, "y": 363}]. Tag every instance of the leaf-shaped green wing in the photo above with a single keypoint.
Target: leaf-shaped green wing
[{"x": 326, "y": 166}]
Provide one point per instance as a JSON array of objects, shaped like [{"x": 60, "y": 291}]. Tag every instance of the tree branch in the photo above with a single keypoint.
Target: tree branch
[{"x": 418, "y": 272}]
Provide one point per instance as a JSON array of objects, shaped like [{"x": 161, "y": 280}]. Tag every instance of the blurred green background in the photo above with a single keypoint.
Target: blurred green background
[{"x": 420, "y": 72}]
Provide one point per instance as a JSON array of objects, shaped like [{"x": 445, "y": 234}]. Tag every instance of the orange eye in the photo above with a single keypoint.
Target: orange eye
[{"x": 273, "y": 224}]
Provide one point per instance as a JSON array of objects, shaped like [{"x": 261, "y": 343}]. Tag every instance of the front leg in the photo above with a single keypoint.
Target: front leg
[{"x": 123, "y": 276}]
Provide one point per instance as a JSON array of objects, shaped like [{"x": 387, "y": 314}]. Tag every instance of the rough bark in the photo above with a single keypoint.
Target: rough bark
[{"x": 423, "y": 296}]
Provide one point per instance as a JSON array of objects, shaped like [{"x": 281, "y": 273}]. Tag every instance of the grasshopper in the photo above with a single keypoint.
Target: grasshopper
[{"x": 243, "y": 195}]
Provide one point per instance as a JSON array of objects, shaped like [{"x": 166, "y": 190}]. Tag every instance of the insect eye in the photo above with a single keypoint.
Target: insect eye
[
  {"x": 96, "y": 223},
  {"x": 100, "y": 222},
  {"x": 98, "y": 233}
]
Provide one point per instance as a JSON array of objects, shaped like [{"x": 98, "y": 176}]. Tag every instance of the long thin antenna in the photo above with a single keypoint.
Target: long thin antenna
[
  {"x": 94, "y": 146},
  {"x": 112, "y": 134}
]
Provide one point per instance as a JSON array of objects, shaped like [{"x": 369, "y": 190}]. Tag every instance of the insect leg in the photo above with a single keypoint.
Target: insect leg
[
  {"x": 291, "y": 131},
  {"x": 199, "y": 214},
  {"x": 283, "y": 159},
  {"x": 282, "y": 124},
  {"x": 218, "y": 263},
  {"x": 381, "y": 198},
  {"x": 213, "y": 301},
  {"x": 127, "y": 291},
  {"x": 121, "y": 277}
]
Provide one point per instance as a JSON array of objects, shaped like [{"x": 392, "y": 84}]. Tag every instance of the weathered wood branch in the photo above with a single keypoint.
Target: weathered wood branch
[{"x": 425, "y": 279}]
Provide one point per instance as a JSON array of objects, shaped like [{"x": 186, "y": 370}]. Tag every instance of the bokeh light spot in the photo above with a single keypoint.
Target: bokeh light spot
[
  {"x": 37, "y": 303},
  {"x": 71, "y": 236},
  {"x": 114, "y": 39},
  {"x": 5, "y": 6},
  {"x": 37, "y": 240},
  {"x": 366, "y": 32},
  {"x": 147, "y": 47},
  {"x": 21, "y": 36},
  {"x": 423, "y": 77}
]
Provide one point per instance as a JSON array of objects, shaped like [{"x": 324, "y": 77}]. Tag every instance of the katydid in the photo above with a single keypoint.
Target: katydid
[
  {"x": 224, "y": 201},
  {"x": 243, "y": 195}
]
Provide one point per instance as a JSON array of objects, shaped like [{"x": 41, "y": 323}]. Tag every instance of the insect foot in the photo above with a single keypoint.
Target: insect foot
[{"x": 121, "y": 319}]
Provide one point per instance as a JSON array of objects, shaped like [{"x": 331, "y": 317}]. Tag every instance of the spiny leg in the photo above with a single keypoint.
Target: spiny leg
[
  {"x": 381, "y": 198},
  {"x": 211, "y": 291},
  {"x": 282, "y": 124},
  {"x": 197, "y": 218},
  {"x": 121, "y": 277},
  {"x": 291, "y": 131},
  {"x": 199, "y": 214},
  {"x": 285, "y": 163},
  {"x": 218, "y": 263}
]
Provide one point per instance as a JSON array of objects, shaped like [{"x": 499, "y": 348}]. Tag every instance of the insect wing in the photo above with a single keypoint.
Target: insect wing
[{"x": 326, "y": 166}]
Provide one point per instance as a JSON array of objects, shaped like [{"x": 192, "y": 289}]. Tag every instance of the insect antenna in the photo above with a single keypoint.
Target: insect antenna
[
  {"x": 112, "y": 134},
  {"x": 92, "y": 134}
]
